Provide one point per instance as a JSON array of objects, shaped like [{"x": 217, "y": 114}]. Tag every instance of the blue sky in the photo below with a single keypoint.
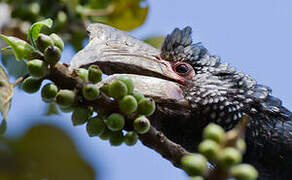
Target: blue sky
[{"x": 254, "y": 36}]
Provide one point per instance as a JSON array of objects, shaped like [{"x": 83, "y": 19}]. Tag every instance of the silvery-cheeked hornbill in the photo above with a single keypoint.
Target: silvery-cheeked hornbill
[{"x": 193, "y": 88}]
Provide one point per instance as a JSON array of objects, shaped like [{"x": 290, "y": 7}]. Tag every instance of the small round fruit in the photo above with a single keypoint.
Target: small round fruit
[
  {"x": 52, "y": 54},
  {"x": 241, "y": 145},
  {"x": 105, "y": 135},
  {"x": 80, "y": 115},
  {"x": 196, "y": 178},
  {"x": 129, "y": 83},
  {"x": 141, "y": 125},
  {"x": 244, "y": 172},
  {"x": 105, "y": 89},
  {"x": 118, "y": 89},
  {"x": 116, "y": 138},
  {"x": 37, "y": 68},
  {"x": 209, "y": 149},
  {"x": 131, "y": 138},
  {"x": 90, "y": 92},
  {"x": 65, "y": 98},
  {"x": 66, "y": 109},
  {"x": 94, "y": 74},
  {"x": 128, "y": 104},
  {"x": 146, "y": 106},
  {"x": 57, "y": 41},
  {"x": 95, "y": 126},
  {"x": 49, "y": 92},
  {"x": 115, "y": 122},
  {"x": 214, "y": 132},
  {"x": 229, "y": 157},
  {"x": 43, "y": 41},
  {"x": 195, "y": 164},
  {"x": 83, "y": 74},
  {"x": 138, "y": 96},
  {"x": 31, "y": 85}
]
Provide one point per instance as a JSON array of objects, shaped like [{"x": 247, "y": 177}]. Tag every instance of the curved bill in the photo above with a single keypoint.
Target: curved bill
[{"x": 116, "y": 52}]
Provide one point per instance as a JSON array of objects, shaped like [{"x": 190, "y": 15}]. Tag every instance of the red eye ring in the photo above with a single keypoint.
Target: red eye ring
[{"x": 182, "y": 68}]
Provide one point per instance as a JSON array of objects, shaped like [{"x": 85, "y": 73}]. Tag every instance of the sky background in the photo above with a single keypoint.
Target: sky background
[{"x": 254, "y": 36}]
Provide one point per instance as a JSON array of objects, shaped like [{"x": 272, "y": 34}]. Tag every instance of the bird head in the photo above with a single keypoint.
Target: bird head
[{"x": 190, "y": 86}]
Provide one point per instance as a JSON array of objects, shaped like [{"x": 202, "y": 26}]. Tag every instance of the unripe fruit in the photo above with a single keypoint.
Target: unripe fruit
[
  {"x": 128, "y": 104},
  {"x": 115, "y": 122},
  {"x": 105, "y": 89},
  {"x": 43, "y": 41},
  {"x": 214, "y": 132},
  {"x": 195, "y": 164},
  {"x": 94, "y": 74},
  {"x": 131, "y": 138},
  {"x": 118, "y": 89},
  {"x": 95, "y": 126},
  {"x": 65, "y": 98},
  {"x": 52, "y": 54},
  {"x": 49, "y": 92},
  {"x": 66, "y": 109},
  {"x": 209, "y": 149},
  {"x": 105, "y": 135},
  {"x": 37, "y": 68},
  {"x": 138, "y": 96},
  {"x": 129, "y": 83},
  {"x": 57, "y": 41},
  {"x": 141, "y": 125},
  {"x": 116, "y": 138},
  {"x": 90, "y": 92},
  {"x": 80, "y": 115},
  {"x": 241, "y": 145},
  {"x": 31, "y": 85},
  {"x": 229, "y": 157},
  {"x": 196, "y": 178},
  {"x": 83, "y": 74},
  {"x": 146, "y": 106},
  {"x": 244, "y": 172}
]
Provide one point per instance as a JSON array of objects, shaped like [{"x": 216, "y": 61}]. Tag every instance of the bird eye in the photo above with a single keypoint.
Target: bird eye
[{"x": 181, "y": 68}]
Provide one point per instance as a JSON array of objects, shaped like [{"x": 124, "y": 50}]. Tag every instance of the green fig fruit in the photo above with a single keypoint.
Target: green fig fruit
[
  {"x": 80, "y": 115},
  {"x": 128, "y": 104},
  {"x": 214, "y": 132},
  {"x": 118, "y": 89},
  {"x": 90, "y": 92},
  {"x": 65, "y": 98},
  {"x": 115, "y": 122},
  {"x": 52, "y": 54},
  {"x": 37, "y": 68},
  {"x": 57, "y": 41},
  {"x": 95, "y": 126},
  {"x": 195, "y": 164},
  {"x": 94, "y": 74},
  {"x": 128, "y": 81},
  {"x": 141, "y": 125},
  {"x": 43, "y": 41},
  {"x": 131, "y": 138},
  {"x": 49, "y": 92},
  {"x": 31, "y": 84},
  {"x": 244, "y": 172},
  {"x": 116, "y": 138},
  {"x": 146, "y": 106}
]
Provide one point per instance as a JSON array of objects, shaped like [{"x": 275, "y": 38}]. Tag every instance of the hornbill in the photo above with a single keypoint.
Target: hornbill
[{"x": 192, "y": 88}]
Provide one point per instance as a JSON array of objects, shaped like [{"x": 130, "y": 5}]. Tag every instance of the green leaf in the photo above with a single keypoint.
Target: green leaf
[
  {"x": 20, "y": 48},
  {"x": 6, "y": 93},
  {"x": 35, "y": 29},
  {"x": 127, "y": 14},
  {"x": 155, "y": 41},
  {"x": 43, "y": 152}
]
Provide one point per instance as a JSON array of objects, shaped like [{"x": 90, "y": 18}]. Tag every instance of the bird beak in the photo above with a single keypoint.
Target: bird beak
[{"x": 117, "y": 53}]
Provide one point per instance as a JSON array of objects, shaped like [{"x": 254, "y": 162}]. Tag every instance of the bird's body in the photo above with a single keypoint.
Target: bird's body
[
  {"x": 221, "y": 94},
  {"x": 213, "y": 91}
]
